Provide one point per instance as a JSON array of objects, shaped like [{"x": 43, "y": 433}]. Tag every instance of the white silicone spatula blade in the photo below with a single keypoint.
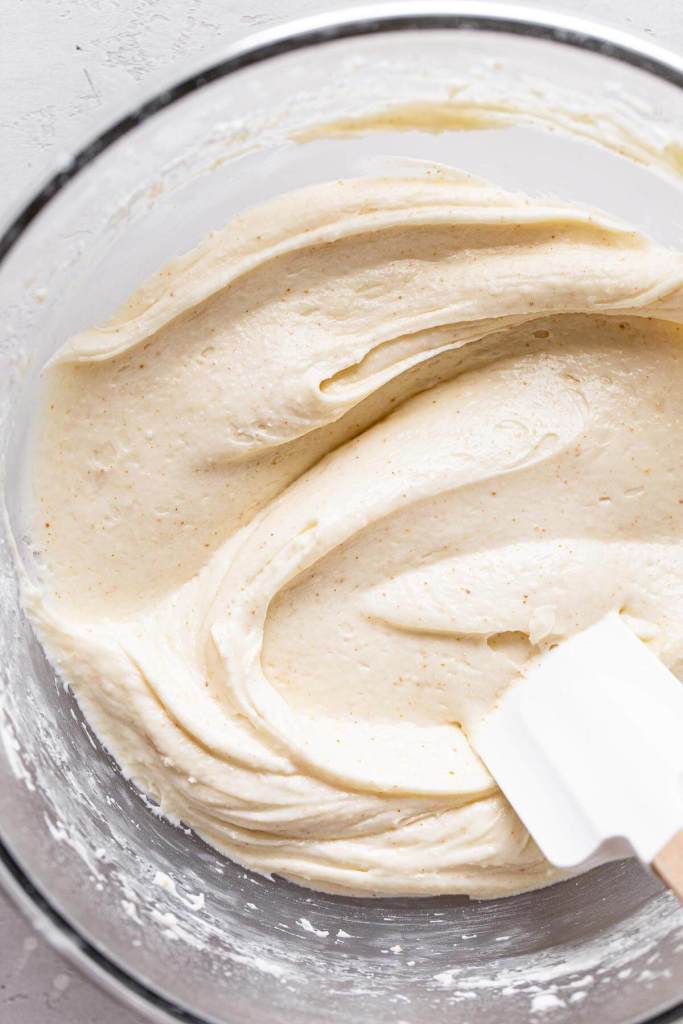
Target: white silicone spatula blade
[{"x": 588, "y": 748}]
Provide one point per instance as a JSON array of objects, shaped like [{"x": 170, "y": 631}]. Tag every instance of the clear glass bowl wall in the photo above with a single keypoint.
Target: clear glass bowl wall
[{"x": 86, "y": 855}]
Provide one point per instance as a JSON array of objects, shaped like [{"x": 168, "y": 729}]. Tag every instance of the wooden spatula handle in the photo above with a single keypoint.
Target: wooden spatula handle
[{"x": 668, "y": 864}]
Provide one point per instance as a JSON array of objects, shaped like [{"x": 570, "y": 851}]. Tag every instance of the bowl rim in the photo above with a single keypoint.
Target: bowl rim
[{"x": 288, "y": 37}]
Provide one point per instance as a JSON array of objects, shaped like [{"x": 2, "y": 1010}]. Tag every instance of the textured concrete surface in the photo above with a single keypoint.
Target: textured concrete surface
[{"x": 62, "y": 63}]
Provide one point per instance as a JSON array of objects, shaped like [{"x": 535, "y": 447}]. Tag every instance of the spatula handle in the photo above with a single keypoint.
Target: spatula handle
[{"x": 668, "y": 864}]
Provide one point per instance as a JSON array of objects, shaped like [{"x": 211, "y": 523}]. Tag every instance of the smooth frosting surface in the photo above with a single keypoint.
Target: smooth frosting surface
[{"x": 328, "y": 483}]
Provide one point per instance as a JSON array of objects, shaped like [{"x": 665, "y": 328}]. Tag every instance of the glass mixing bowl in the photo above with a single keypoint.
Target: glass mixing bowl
[{"x": 144, "y": 906}]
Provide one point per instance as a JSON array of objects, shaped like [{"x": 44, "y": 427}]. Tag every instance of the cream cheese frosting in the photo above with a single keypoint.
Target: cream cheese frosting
[{"x": 327, "y": 484}]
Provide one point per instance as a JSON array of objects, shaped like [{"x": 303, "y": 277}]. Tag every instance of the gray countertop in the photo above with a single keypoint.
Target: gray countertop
[{"x": 61, "y": 62}]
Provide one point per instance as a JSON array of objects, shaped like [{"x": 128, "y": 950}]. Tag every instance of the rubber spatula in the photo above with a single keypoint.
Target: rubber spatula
[{"x": 588, "y": 748}]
